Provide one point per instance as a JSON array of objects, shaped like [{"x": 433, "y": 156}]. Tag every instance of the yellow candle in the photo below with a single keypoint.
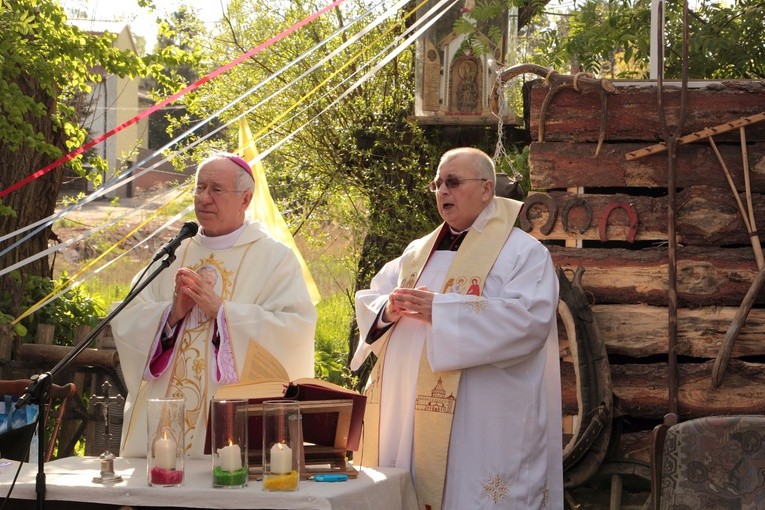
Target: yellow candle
[
  {"x": 281, "y": 458},
  {"x": 164, "y": 453},
  {"x": 230, "y": 457}
]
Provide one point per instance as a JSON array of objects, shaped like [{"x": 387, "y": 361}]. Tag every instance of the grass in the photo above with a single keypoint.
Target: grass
[
  {"x": 331, "y": 350},
  {"x": 110, "y": 284}
]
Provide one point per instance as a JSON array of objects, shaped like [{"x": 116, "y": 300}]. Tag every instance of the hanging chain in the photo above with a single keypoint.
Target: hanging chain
[{"x": 500, "y": 153}]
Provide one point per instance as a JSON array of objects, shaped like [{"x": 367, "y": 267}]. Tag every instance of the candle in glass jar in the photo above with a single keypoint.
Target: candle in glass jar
[
  {"x": 164, "y": 453},
  {"x": 281, "y": 458},
  {"x": 230, "y": 457}
]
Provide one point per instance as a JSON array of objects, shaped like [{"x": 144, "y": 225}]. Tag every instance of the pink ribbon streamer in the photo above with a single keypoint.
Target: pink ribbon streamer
[{"x": 171, "y": 99}]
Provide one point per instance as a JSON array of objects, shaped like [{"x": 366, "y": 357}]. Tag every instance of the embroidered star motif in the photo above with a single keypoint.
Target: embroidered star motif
[{"x": 496, "y": 489}]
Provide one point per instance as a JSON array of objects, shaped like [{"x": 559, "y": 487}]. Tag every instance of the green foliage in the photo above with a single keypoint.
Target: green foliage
[
  {"x": 73, "y": 308},
  {"x": 360, "y": 168},
  {"x": 180, "y": 39},
  {"x": 725, "y": 40},
  {"x": 516, "y": 161},
  {"x": 335, "y": 315},
  {"x": 47, "y": 69},
  {"x": 19, "y": 329},
  {"x": 484, "y": 27},
  {"x": 612, "y": 38},
  {"x": 6, "y": 211},
  {"x": 331, "y": 349},
  {"x": 391, "y": 161},
  {"x": 360, "y": 156},
  {"x": 60, "y": 61}
]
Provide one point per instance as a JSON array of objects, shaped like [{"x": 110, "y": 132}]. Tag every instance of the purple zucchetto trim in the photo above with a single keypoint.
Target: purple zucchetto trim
[{"x": 242, "y": 163}]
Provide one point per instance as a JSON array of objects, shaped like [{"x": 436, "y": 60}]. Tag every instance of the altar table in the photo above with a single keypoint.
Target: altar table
[{"x": 69, "y": 484}]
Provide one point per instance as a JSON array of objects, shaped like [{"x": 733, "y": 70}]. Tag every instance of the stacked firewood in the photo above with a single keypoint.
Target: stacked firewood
[{"x": 608, "y": 213}]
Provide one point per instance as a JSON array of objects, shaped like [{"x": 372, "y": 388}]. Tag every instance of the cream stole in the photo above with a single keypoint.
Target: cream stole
[
  {"x": 180, "y": 384},
  {"x": 437, "y": 391}
]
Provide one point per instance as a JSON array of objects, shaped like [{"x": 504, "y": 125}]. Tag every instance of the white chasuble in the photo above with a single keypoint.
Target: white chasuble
[
  {"x": 505, "y": 449},
  {"x": 265, "y": 300}
]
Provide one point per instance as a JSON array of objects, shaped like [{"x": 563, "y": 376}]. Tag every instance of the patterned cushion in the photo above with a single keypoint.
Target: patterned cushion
[{"x": 716, "y": 462}]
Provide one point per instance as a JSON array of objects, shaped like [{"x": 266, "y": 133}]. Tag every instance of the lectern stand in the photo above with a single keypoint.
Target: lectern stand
[{"x": 316, "y": 458}]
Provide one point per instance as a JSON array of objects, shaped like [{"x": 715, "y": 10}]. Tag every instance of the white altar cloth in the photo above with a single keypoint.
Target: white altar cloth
[{"x": 71, "y": 479}]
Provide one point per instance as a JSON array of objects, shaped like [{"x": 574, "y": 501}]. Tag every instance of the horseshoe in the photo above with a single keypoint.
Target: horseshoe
[
  {"x": 631, "y": 213},
  {"x": 539, "y": 198},
  {"x": 577, "y": 202}
]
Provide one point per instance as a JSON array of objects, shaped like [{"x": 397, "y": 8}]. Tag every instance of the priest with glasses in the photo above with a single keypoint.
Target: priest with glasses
[{"x": 465, "y": 392}]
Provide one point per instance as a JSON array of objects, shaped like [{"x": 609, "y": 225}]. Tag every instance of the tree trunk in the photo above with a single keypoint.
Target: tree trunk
[{"x": 33, "y": 201}]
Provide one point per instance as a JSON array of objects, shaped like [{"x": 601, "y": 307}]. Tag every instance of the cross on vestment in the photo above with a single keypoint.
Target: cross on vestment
[{"x": 107, "y": 458}]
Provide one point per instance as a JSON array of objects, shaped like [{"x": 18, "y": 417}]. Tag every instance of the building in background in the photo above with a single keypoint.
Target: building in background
[{"x": 112, "y": 102}]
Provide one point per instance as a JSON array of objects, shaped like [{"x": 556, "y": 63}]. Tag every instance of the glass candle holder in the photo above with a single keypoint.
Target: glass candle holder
[
  {"x": 166, "y": 442},
  {"x": 229, "y": 443},
  {"x": 282, "y": 445}
]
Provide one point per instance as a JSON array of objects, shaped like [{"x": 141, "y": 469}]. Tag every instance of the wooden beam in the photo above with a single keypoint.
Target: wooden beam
[
  {"x": 642, "y": 389},
  {"x": 640, "y": 331}
]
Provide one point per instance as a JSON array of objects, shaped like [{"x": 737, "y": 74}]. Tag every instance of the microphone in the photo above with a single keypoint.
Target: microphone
[{"x": 189, "y": 229}]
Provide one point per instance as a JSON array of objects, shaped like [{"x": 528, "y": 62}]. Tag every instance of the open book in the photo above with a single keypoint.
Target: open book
[
  {"x": 325, "y": 426},
  {"x": 331, "y": 414}
]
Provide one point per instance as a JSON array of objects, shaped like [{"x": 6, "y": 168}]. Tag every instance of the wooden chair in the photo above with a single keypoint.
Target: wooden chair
[
  {"x": 58, "y": 393},
  {"x": 713, "y": 462}
]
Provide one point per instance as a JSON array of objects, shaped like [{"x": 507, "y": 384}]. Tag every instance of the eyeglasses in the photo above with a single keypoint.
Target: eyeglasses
[
  {"x": 214, "y": 192},
  {"x": 451, "y": 183}
]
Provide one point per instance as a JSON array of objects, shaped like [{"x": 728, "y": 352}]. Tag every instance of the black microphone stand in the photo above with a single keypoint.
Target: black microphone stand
[{"x": 39, "y": 388}]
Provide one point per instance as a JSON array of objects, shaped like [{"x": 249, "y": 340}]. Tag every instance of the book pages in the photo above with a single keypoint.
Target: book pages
[{"x": 259, "y": 365}]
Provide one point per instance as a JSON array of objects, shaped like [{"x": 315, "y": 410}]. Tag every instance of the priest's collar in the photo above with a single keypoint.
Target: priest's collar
[{"x": 222, "y": 242}]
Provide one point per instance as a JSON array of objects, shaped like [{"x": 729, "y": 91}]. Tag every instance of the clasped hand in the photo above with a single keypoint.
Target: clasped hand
[
  {"x": 415, "y": 303},
  {"x": 191, "y": 289}
]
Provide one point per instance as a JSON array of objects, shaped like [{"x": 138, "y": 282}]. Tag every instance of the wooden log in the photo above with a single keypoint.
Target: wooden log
[
  {"x": 640, "y": 330},
  {"x": 642, "y": 390},
  {"x": 7, "y": 338},
  {"x": 81, "y": 331},
  {"x": 569, "y": 395},
  {"x": 105, "y": 339},
  {"x": 52, "y": 354},
  {"x": 706, "y": 216},
  {"x": 45, "y": 334},
  {"x": 560, "y": 165},
  {"x": 706, "y": 276},
  {"x": 632, "y": 113}
]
